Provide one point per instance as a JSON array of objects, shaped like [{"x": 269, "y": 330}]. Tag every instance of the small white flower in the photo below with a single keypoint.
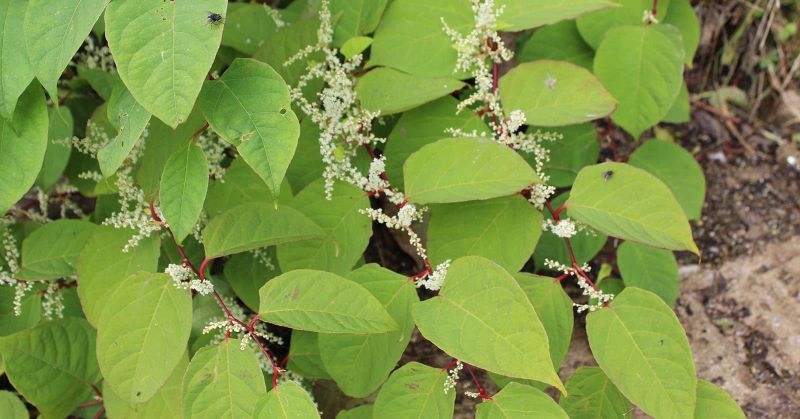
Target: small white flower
[
  {"x": 452, "y": 377},
  {"x": 435, "y": 280},
  {"x": 564, "y": 228}
]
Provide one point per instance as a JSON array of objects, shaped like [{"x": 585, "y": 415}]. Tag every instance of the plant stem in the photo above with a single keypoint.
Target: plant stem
[{"x": 484, "y": 395}]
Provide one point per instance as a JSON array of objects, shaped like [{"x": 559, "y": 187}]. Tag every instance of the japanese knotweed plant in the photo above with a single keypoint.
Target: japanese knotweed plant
[{"x": 212, "y": 206}]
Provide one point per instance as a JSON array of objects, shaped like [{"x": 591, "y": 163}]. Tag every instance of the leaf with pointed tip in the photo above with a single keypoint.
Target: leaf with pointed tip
[
  {"x": 252, "y": 226},
  {"x": 623, "y": 201},
  {"x": 53, "y": 365},
  {"x": 682, "y": 16},
  {"x": 554, "y": 308},
  {"x": 504, "y": 230},
  {"x": 347, "y": 231},
  {"x": 465, "y": 169},
  {"x": 53, "y": 33},
  {"x": 249, "y": 106},
  {"x": 23, "y": 143},
  {"x": 16, "y": 71},
  {"x": 655, "y": 270},
  {"x": 222, "y": 381},
  {"x": 51, "y": 252},
  {"x": 129, "y": 119},
  {"x": 642, "y": 66},
  {"x": 415, "y": 391},
  {"x": 482, "y": 317},
  {"x": 142, "y": 334},
  {"x": 355, "y": 17},
  {"x": 593, "y": 26},
  {"x": 713, "y": 402},
  {"x": 555, "y": 93},
  {"x": 103, "y": 264},
  {"x": 390, "y": 91},
  {"x": 361, "y": 363},
  {"x": 288, "y": 401},
  {"x": 318, "y": 301},
  {"x": 184, "y": 184},
  {"x": 591, "y": 395},
  {"x": 150, "y": 40},
  {"x": 519, "y": 401},
  {"x": 639, "y": 343}
]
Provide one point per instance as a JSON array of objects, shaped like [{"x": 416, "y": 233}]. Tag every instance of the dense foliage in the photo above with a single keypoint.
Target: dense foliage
[{"x": 190, "y": 188}]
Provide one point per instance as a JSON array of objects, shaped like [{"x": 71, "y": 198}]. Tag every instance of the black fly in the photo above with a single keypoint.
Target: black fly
[
  {"x": 607, "y": 175},
  {"x": 214, "y": 18}
]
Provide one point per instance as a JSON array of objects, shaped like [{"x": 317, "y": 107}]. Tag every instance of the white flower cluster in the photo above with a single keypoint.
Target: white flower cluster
[
  {"x": 134, "y": 212},
  {"x": 345, "y": 128},
  {"x": 197, "y": 229},
  {"x": 262, "y": 255},
  {"x": 275, "y": 14},
  {"x": 452, "y": 377},
  {"x": 94, "y": 56},
  {"x": 53, "y": 302},
  {"x": 564, "y": 228},
  {"x": 435, "y": 280},
  {"x": 11, "y": 258},
  {"x": 472, "y": 394},
  {"x": 184, "y": 278},
  {"x": 478, "y": 53},
  {"x": 649, "y": 17},
  {"x": 597, "y": 298},
  {"x": 215, "y": 150},
  {"x": 567, "y": 270}
]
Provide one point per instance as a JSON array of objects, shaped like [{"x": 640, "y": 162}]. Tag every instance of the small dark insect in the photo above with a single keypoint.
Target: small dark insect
[
  {"x": 214, "y": 18},
  {"x": 607, "y": 175}
]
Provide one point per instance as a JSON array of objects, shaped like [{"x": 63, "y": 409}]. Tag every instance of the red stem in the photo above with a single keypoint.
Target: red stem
[
  {"x": 484, "y": 395},
  {"x": 100, "y": 413},
  {"x": 655, "y": 8},
  {"x": 575, "y": 265},
  {"x": 91, "y": 403}
]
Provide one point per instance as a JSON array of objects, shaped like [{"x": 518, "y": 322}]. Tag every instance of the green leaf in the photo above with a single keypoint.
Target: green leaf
[
  {"x": 288, "y": 400},
  {"x": 592, "y": 396},
  {"x": 30, "y": 313},
  {"x": 526, "y": 14},
  {"x": 249, "y": 106},
  {"x": 102, "y": 265},
  {"x": 142, "y": 334},
  {"x": 23, "y": 142},
  {"x": 347, "y": 231},
  {"x": 642, "y": 348},
  {"x": 465, "y": 169},
  {"x": 11, "y": 407},
  {"x": 713, "y": 402},
  {"x": 555, "y": 93},
  {"x": 680, "y": 111},
  {"x": 53, "y": 32},
  {"x": 560, "y": 41},
  {"x": 223, "y": 381},
  {"x": 51, "y": 252},
  {"x": 631, "y": 204},
  {"x": 654, "y": 270},
  {"x": 361, "y": 412},
  {"x": 390, "y": 91},
  {"x": 361, "y": 363},
  {"x": 593, "y": 26},
  {"x": 421, "y": 126},
  {"x": 318, "y": 301},
  {"x": 252, "y": 226},
  {"x": 554, "y": 308},
  {"x": 53, "y": 365},
  {"x": 284, "y": 44},
  {"x": 161, "y": 143},
  {"x": 411, "y": 38},
  {"x": 677, "y": 169},
  {"x": 57, "y": 155},
  {"x": 415, "y": 391},
  {"x": 585, "y": 245},
  {"x": 184, "y": 184},
  {"x": 577, "y": 148},
  {"x": 247, "y": 26},
  {"x": 241, "y": 185},
  {"x": 247, "y": 273},
  {"x": 150, "y": 40},
  {"x": 520, "y": 401},
  {"x": 161, "y": 405},
  {"x": 16, "y": 71},
  {"x": 307, "y": 165},
  {"x": 129, "y": 119},
  {"x": 482, "y": 317},
  {"x": 102, "y": 82},
  {"x": 681, "y": 15},
  {"x": 355, "y": 17},
  {"x": 504, "y": 230},
  {"x": 304, "y": 357},
  {"x": 642, "y": 66},
  {"x": 355, "y": 45}
]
